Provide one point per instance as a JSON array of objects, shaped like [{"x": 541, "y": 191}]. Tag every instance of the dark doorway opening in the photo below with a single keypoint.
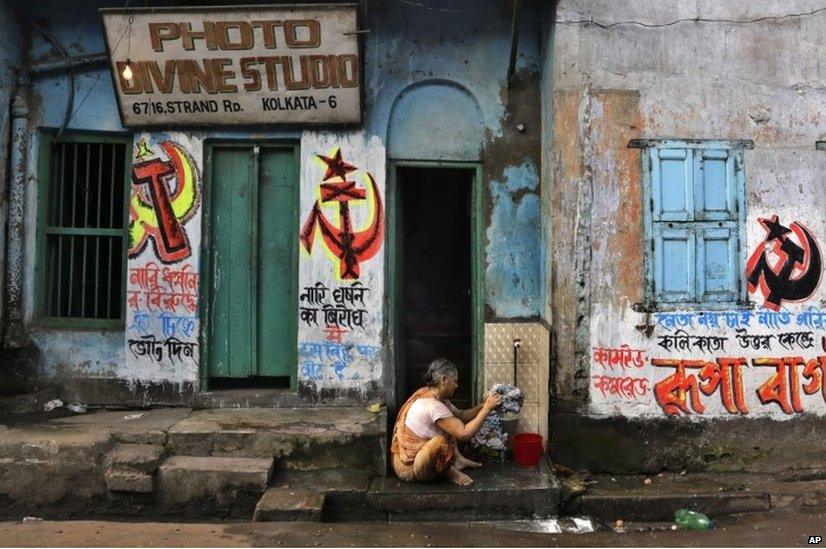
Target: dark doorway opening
[{"x": 436, "y": 255}]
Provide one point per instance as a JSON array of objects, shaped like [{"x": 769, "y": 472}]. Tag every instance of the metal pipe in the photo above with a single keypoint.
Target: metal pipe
[
  {"x": 14, "y": 336},
  {"x": 514, "y": 41}
]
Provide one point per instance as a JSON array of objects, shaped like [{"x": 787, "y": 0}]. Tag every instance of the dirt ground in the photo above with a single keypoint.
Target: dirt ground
[{"x": 766, "y": 529}]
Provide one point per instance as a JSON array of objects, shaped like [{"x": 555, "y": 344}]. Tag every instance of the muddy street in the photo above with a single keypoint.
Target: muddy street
[{"x": 765, "y": 529}]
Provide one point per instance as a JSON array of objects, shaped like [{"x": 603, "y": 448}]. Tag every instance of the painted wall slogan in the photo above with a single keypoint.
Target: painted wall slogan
[
  {"x": 619, "y": 372},
  {"x": 163, "y": 280},
  {"x": 770, "y": 360},
  {"x": 244, "y": 65},
  {"x": 341, "y": 273}
]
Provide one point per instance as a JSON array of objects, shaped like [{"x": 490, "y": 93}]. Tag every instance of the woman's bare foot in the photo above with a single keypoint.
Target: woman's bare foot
[
  {"x": 457, "y": 477},
  {"x": 462, "y": 463},
  {"x": 470, "y": 463}
]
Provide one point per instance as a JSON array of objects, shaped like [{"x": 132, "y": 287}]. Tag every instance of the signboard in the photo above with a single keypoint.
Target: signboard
[{"x": 238, "y": 65}]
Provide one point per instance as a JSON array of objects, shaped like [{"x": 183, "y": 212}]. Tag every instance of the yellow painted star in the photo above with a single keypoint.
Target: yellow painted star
[{"x": 143, "y": 150}]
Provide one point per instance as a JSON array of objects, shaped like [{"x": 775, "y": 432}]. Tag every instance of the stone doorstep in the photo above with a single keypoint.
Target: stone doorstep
[
  {"x": 186, "y": 478},
  {"x": 288, "y": 504},
  {"x": 661, "y": 507},
  {"x": 498, "y": 492},
  {"x": 139, "y": 457}
]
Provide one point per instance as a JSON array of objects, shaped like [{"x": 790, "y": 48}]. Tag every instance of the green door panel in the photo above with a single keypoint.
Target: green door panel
[
  {"x": 231, "y": 350},
  {"x": 276, "y": 245},
  {"x": 252, "y": 331}
]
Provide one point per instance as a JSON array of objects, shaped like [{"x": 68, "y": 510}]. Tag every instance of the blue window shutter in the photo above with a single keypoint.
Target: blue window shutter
[
  {"x": 715, "y": 185},
  {"x": 674, "y": 263},
  {"x": 672, "y": 192},
  {"x": 717, "y": 273}
]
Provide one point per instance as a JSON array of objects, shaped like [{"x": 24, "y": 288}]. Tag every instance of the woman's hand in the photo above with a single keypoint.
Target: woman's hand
[{"x": 492, "y": 401}]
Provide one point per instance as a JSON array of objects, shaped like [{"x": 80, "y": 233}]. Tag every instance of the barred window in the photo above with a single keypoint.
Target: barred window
[{"x": 83, "y": 209}]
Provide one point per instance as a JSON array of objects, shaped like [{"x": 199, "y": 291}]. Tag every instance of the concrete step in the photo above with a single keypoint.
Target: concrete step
[
  {"x": 656, "y": 498},
  {"x": 499, "y": 492},
  {"x": 129, "y": 481},
  {"x": 46, "y": 464},
  {"x": 344, "y": 490},
  {"x": 289, "y": 504},
  {"x": 300, "y": 438},
  {"x": 221, "y": 485},
  {"x": 140, "y": 457},
  {"x": 131, "y": 467},
  {"x": 661, "y": 507}
]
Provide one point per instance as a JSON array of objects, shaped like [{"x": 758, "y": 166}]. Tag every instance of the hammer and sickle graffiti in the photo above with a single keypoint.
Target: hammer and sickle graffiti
[
  {"x": 349, "y": 247},
  {"x": 795, "y": 275},
  {"x": 164, "y": 197}
]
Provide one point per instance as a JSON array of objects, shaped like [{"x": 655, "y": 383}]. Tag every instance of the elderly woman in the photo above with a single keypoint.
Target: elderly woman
[{"x": 428, "y": 426}]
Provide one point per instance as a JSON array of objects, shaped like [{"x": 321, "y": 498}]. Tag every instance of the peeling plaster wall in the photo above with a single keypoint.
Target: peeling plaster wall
[
  {"x": 454, "y": 42},
  {"x": 547, "y": 14},
  {"x": 458, "y": 41},
  {"x": 758, "y": 81}
]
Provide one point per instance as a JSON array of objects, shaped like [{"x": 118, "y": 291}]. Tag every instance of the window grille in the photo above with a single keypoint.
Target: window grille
[{"x": 83, "y": 235}]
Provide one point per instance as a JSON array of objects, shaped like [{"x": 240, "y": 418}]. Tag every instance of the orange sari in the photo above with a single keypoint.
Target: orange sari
[{"x": 414, "y": 457}]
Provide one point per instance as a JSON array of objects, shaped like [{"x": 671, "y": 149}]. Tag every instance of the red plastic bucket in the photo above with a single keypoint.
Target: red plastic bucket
[{"x": 527, "y": 449}]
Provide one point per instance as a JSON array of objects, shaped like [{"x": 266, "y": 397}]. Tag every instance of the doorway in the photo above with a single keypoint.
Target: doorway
[
  {"x": 251, "y": 260},
  {"x": 436, "y": 293}
]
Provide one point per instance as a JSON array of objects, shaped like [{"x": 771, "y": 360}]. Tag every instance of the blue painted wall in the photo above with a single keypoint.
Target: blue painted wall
[{"x": 513, "y": 252}]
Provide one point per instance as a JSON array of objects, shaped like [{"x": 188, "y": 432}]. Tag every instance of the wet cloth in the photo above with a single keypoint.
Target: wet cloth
[
  {"x": 490, "y": 443},
  {"x": 423, "y": 415},
  {"x": 414, "y": 457},
  {"x": 512, "y": 398}
]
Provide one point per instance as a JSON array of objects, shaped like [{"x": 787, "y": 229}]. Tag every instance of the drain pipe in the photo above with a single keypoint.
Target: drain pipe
[{"x": 14, "y": 336}]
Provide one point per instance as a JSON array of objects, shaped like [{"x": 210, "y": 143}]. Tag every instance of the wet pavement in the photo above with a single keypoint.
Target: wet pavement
[{"x": 773, "y": 529}]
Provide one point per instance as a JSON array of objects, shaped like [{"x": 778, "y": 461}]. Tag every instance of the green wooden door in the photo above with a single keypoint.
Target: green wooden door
[
  {"x": 252, "y": 328},
  {"x": 277, "y": 240}
]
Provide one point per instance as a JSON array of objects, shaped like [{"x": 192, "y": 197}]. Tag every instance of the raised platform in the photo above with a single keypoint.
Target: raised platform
[{"x": 298, "y": 438}]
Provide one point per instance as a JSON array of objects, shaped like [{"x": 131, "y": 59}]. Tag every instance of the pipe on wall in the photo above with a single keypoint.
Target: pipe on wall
[{"x": 14, "y": 336}]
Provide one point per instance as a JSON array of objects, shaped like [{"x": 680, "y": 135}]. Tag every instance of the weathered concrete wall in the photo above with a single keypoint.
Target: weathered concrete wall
[
  {"x": 9, "y": 64},
  {"x": 410, "y": 46},
  {"x": 650, "y": 70}
]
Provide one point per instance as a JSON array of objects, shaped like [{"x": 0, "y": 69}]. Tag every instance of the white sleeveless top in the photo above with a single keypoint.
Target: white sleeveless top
[{"x": 423, "y": 415}]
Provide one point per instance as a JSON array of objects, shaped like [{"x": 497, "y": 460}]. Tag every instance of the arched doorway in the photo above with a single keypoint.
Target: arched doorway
[{"x": 434, "y": 143}]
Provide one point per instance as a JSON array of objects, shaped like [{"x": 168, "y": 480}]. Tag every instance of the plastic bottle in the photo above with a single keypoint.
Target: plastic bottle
[{"x": 691, "y": 520}]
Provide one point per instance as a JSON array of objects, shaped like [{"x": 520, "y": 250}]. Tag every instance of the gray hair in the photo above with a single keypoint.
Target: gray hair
[{"x": 439, "y": 369}]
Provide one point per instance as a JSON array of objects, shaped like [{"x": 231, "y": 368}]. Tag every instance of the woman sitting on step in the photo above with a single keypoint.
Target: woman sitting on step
[{"x": 428, "y": 426}]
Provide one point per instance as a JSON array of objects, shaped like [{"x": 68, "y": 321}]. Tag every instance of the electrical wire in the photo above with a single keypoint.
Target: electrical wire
[
  {"x": 67, "y": 115},
  {"x": 760, "y": 19},
  {"x": 97, "y": 79}
]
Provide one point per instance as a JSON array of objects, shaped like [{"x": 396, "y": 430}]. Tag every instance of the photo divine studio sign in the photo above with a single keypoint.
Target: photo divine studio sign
[{"x": 235, "y": 65}]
